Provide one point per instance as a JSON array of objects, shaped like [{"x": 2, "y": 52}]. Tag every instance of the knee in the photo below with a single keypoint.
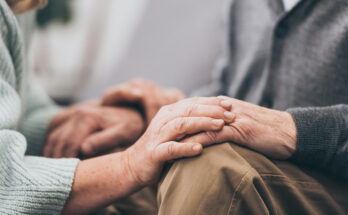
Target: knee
[
  {"x": 220, "y": 166},
  {"x": 209, "y": 178},
  {"x": 216, "y": 161}
]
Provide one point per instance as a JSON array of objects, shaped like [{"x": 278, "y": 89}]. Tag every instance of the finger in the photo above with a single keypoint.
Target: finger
[
  {"x": 67, "y": 113},
  {"x": 61, "y": 117},
  {"x": 198, "y": 110},
  {"x": 101, "y": 142},
  {"x": 122, "y": 95},
  {"x": 213, "y": 137},
  {"x": 180, "y": 127},
  {"x": 63, "y": 139},
  {"x": 227, "y": 104},
  {"x": 57, "y": 151},
  {"x": 51, "y": 141},
  {"x": 205, "y": 101},
  {"x": 83, "y": 128},
  {"x": 174, "y": 150}
]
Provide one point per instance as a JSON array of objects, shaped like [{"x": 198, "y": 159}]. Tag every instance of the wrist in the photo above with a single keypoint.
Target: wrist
[
  {"x": 290, "y": 131},
  {"x": 131, "y": 169}
]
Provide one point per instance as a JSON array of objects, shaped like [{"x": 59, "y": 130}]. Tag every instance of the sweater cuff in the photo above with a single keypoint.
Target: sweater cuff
[
  {"x": 317, "y": 135},
  {"x": 34, "y": 128},
  {"x": 45, "y": 189}
]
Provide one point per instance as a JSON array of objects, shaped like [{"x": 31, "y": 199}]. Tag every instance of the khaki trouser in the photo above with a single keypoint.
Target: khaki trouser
[{"x": 229, "y": 179}]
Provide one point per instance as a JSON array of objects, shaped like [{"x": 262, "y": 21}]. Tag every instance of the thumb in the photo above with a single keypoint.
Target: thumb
[
  {"x": 101, "y": 141},
  {"x": 174, "y": 150},
  {"x": 122, "y": 95}
]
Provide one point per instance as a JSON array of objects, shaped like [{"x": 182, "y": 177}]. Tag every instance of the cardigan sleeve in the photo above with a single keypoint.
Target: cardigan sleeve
[{"x": 322, "y": 138}]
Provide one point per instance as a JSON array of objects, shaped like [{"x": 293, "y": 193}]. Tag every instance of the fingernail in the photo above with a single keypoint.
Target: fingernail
[
  {"x": 197, "y": 147},
  {"x": 226, "y": 104},
  {"x": 229, "y": 116},
  {"x": 218, "y": 122}
]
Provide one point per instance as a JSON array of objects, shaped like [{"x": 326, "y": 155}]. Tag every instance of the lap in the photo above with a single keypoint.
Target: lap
[{"x": 231, "y": 179}]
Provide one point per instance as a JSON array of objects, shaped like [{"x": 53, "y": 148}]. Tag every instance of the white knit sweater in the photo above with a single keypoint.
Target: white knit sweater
[{"x": 28, "y": 184}]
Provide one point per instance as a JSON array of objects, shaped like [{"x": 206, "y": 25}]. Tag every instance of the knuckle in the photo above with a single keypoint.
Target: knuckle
[
  {"x": 215, "y": 100},
  {"x": 180, "y": 126},
  {"x": 212, "y": 136},
  {"x": 190, "y": 109},
  {"x": 171, "y": 149}
]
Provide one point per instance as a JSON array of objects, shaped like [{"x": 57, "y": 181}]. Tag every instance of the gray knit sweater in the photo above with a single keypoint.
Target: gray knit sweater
[
  {"x": 28, "y": 184},
  {"x": 295, "y": 61}
]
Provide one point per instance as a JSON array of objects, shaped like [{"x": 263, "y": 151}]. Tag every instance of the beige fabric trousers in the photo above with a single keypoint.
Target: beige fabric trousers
[{"x": 229, "y": 179}]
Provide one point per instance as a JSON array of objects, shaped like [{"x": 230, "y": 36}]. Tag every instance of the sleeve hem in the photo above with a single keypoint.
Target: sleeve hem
[
  {"x": 46, "y": 192},
  {"x": 317, "y": 134}
]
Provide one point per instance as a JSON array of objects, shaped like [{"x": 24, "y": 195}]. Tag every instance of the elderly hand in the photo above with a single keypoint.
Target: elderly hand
[
  {"x": 172, "y": 123},
  {"x": 268, "y": 131},
  {"x": 149, "y": 96},
  {"x": 91, "y": 129}
]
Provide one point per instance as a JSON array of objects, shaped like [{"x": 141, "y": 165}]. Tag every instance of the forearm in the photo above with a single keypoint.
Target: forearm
[{"x": 99, "y": 182}]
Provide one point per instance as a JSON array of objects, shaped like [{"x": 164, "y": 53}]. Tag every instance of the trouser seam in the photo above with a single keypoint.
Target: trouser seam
[{"x": 234, "y": 196}]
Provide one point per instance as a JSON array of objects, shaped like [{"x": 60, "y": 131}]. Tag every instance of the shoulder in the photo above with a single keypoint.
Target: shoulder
[
  {"x": 9, "y": 29},
  {"x": 11, "y": 45}
]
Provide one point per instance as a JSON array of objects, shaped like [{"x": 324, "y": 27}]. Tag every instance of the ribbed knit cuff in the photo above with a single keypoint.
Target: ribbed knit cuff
[
  {"x": 34, "y": 128},
  {"x": 44, "y": 190},
  {"x": 318, "y": 132}
]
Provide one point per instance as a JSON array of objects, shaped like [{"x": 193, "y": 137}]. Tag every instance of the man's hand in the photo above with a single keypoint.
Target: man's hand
[
  {"x": 268, "y": 131},
  {"x": 91, "y": 129},
  {"x": 149, "y": 96}
]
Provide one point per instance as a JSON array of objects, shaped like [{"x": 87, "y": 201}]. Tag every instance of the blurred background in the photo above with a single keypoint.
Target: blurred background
[{"x": 81, "y": 47}]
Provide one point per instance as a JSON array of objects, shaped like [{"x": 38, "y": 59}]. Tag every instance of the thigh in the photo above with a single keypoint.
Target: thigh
[
  {"x": 229, "y": 179},
  {"x": 287, "y": 188}
]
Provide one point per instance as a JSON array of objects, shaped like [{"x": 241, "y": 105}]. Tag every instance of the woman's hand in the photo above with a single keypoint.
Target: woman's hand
[
  {"x": 149, "y": 96},
  {"x": 267, "y": 131},
  {"x": 91, "y": 129},
  {"x": 159, "y": 143}
]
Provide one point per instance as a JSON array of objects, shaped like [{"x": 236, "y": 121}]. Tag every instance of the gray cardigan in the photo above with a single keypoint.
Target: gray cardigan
[{"x": 298, "y": 62}]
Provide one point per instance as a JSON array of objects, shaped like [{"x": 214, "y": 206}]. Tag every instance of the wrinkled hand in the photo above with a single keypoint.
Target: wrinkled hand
[
  {"x": 268, "y": 131},
  {"x": 149, "y": 96},
  {"x": 91, "y": 129},
  {"x": 172, "y": 123}
]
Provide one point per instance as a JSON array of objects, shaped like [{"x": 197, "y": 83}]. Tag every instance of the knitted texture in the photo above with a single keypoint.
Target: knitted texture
[{"x": 28, "y": 184}]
